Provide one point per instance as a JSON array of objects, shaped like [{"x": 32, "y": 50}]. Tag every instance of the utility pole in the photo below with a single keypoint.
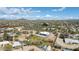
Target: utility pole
[
  {"x": 57, "y": 35},
  {"x": 55, "y": 39}
]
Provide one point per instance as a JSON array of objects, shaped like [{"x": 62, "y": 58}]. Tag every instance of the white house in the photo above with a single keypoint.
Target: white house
[
  {"x": 4, "y": 43},
  {"x": 68, "y": 40},
  {"x": 16, "y": 43},
  {"x": 44, "y": 33},
  {"x": 19, "y": 28},
  {"x": 76, "y": 36},
  {"x": 9, "y": 29}
]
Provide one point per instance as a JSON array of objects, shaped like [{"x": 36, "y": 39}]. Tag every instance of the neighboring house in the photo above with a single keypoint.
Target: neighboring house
[
  {"x": 11, "y": 36},
  {"x": 16, "y": 43},
  {"x": 1, "y": 34},
  {"x": 4, "y": 43},
  {"x": 46, "y": 48},
  {"x": 76, "y": 36},
  {"x": 2, "y": 30},
  {"x": 28, "y": 31},
  {"x": 9, "y": 29},
  {"x": 71, "y": 36},
  {"x": 19, "y": 28},
  {"x": 68, "y": 40},
  {"x": 43, "y": 34}
]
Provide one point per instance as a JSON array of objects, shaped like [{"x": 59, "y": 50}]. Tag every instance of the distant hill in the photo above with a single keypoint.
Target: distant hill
[
  {"x": 41, "y": 19},
  {"x": 21, "y": 19}
]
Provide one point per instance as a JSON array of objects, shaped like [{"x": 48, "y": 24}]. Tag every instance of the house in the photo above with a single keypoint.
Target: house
[
  {"x": 10, "y": 36},
  {"x": 9, "y": 29},
  {"x": 19, "y": 28},
  {"x": 4, "y": 43},
  {"x": 1, "y": 34},
  {"x": 76, "y": 36},
  {"x": 71, "y": 41},
  {"x": 16, "y": 43},
  {"x": 44, "y": 33}
]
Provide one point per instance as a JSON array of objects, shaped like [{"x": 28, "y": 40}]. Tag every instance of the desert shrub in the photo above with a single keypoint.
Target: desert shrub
[
  {"x": 1, "y": 39},
  {"x": 7, "y": 47},
  {"x": 27, "y": 42}
]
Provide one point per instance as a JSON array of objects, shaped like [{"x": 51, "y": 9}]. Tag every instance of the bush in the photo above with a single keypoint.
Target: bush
[
  {"x": 8, "y": 47},
  {"x": 1, "y": 39},
  {"x": 27, "y": 42}
]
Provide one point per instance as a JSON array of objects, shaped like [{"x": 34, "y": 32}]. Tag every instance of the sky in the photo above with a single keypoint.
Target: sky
[{"x": 33, "y": 13}]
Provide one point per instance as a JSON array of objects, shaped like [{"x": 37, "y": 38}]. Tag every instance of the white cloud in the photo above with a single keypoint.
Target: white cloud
[
  {"x": 12, "y": 11},
  {"x": 48, "y": 15},
  {"x": 60, "y": 9},
  {"x": 37, "y": 16},
  {"x": 8, "y": 16},
  {"x": 71, "y": 17},
  {"x": 13, "y": 16}
]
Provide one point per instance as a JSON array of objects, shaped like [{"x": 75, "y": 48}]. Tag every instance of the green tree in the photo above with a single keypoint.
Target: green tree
[
  {"x": 16, "y": 37},
  {"x": 5, "y": 35}
]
